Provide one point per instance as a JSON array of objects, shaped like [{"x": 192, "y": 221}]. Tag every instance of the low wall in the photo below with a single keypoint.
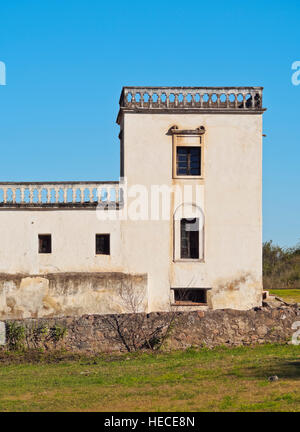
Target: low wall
[
  {"x": 63, "y": 294},
  {"x": 176, "y": 330}
]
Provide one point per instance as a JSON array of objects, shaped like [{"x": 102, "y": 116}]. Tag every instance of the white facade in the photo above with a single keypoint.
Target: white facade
[{"x": 226, "y": 202}]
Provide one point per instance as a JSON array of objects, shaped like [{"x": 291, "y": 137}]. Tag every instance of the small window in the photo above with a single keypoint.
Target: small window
[
  {"x": 185, "y": 296},
  {"x": 189, "y": 238},
  {"x": 188, "y": 161},
  {"x": 103, "y": 244},
  {"x": 45, "y": 243}
]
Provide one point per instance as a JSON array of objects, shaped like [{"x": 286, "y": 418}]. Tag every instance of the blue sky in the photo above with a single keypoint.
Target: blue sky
[{"x": 68, "y": 60}]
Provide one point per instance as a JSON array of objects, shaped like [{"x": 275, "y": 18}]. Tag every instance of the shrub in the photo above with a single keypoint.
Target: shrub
[
  {"x": 281, "y": 267},
  {"x": 15, "y": 335}
]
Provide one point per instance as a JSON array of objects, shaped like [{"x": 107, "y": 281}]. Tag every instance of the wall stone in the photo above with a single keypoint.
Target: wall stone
[{"x": 178, "y": 330}]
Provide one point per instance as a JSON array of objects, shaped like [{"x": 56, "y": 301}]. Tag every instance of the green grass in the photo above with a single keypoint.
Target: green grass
[
  {"x": 288, "y": 295},
  {"x": 222, "y": 379}
]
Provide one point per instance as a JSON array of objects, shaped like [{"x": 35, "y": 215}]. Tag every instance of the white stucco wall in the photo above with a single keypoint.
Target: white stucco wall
[
  {"x": 231, "y": 202},
  {"x": 73, "y": 242},
  {"x": 230, "y": 199}
]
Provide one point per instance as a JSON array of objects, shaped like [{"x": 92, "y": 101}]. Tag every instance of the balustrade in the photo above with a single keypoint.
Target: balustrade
[
  {"x": 239, "y": 98},
  {"x": 72, "y": 194}
]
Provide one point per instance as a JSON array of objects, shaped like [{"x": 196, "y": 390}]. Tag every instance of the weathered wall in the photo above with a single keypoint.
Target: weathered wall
[
  {"x": 108, "y": 333},
  {"x": 63, "y": 294},
  {"x": 230, "y": 201}
]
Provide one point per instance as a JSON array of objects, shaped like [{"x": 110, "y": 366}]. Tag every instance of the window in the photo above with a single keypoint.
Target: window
[
  {"x": 188, "y": 233},
  {"x": 102, "y": 244},
  {"x": 188, "y": 153},
  {"x": 189, "y": 238},
  {"x": 188, "y": 161},
  {"x": 190, "y": 296},
  {"x": 45, "y": 243}
]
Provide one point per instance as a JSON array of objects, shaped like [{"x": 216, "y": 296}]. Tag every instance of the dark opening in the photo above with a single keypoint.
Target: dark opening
[
  {"x": 188, "y": 161},
  {"x": 187, "y": 296},
  {"x": 103, "y": 244},
  {"x": 189, "y": 236},
  {"x": 45, "y": 243}
]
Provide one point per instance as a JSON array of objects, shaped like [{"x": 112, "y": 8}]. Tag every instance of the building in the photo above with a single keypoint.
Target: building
[{"x": 182, "y": 228}]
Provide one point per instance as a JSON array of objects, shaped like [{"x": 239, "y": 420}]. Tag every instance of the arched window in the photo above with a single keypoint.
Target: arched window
[{"x": 188, "y": 233}]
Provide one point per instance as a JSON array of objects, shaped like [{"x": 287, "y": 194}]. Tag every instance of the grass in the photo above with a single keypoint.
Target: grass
[
  {"x": 222, "y": 379},
  {"x": 288, "y": 295}
]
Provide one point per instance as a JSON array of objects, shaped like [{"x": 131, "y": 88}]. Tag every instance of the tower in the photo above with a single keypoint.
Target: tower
[{"x": 208, "y": 252}]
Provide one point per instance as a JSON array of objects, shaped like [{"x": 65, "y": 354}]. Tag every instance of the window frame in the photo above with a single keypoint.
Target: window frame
[
  {"x": 175, "y": 302},
  {"x": 188, "y": 155},
  {"x": 191, "y": 211},
  {"x": 187, "y": 140},
  {"x": 183, "y": 222}
]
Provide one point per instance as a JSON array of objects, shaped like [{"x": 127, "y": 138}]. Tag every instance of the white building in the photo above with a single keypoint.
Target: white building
[{"x": 94, "y": 247}]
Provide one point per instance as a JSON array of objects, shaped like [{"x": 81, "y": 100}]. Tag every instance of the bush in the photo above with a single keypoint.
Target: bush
[
  {"x": 15, "y": 335},
  {"x": 36, "y": 336},
  {"x": 281, "y": 267}
]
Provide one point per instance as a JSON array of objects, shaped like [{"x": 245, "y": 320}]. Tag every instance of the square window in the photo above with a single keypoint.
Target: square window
[
  {"x": 188, "y": 161},
  {"x": 185, "y": 296},
  {"x": 45, "y": 245},
  {"x": 102, "y": 244}
]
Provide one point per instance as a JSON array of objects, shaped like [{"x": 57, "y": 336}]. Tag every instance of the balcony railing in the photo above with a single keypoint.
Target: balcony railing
[
  {"x": 60, "y": 194},
  {"x": 237, "y": 99}
]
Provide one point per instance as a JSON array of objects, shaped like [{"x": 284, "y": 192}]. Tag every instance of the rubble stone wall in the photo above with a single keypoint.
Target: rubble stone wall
[{"x": 175, "y": 330}]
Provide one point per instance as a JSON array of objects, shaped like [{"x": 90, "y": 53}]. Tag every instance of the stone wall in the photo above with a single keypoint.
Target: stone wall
[
  {"x": 176, "y": 330},
  {"x": 66, "y": 294}
]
